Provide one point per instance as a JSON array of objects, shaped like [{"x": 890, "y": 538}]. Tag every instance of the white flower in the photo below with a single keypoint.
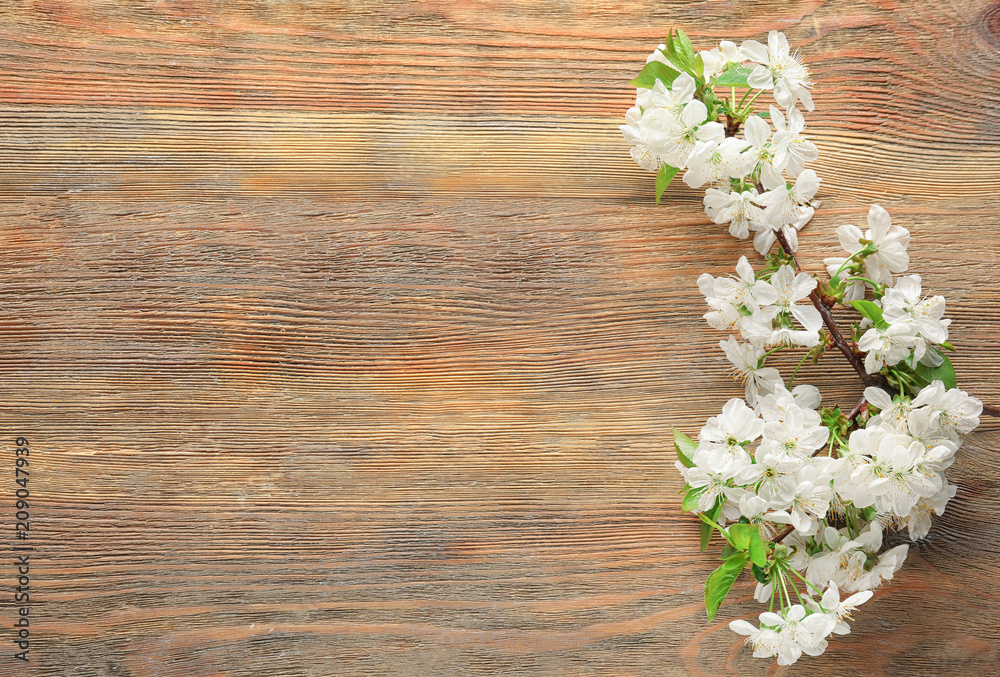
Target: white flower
[
  {"x": 855, "y": 564},
  {"x": 904, "y": 303},
  {"x": 722, "y": 441},
  {"x": 786, "y": 208},
  {"x": 894, "y": 477},
  {"x": 765, "y": 642},
  {"x": 838, "y": 610},
  {"x": 798, "y": 433},
  {"x": 774, "y": 477},
  {"x": 923, "y": 425},
  {"x": 715, "y": 162},
  {"x": 894, "y": 411},
  {"x": 918, "y": 522},
  {"x": 745, "y": 290},
  {"x": 746, "y": 359},
  {"x": 714, "y": 484},
  {"x": 766, "y": 159},
  {"x": 672, "y": 99},
  {"x": 740, "y": 303},
  {"x": 956, "y": 411},
  {"x": 811, "y": 501},
  {"x": 716, "y": 59},
  {"x": 888, "y": 346},
  {"x": 828, "y": 564},
  {"x": 890, "y": 244},
  {"x": 658, "y": 55},
  {"x": 668, "y": 102},
  {"x": 672, "y": 137},
  {"x": 888, "y": 563},
  {"x": 782, "y": 203},
  {"x": 639, "y": 151},
  {"x": 807, "y": 396},
  {"x": 779, "y": 69},
  {"x": 789, "y": 139},
  {"x": 725, "y": 316},
  {"x": 755, "y": 509},
  {"x": 791, "y": 289},
  {"x": 799, "y": 633},
  {"x": 803, "y": 398},
  {"x": 738, "y": 209}
]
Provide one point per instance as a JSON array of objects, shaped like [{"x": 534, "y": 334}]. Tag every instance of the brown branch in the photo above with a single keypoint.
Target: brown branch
[
  {"x": 857, "y": 408},
  {"x": 876, "y": 380}
]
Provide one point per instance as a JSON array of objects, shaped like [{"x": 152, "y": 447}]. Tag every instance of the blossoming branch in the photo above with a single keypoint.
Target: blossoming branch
[{"x": 803, "y": 495}]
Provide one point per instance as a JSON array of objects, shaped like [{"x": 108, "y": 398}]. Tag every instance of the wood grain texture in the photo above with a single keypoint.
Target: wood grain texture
[{"x": 348, "y": 338}]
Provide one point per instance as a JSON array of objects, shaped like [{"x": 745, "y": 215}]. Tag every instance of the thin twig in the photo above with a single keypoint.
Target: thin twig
[
  {"x": 857, "y": 408},
  {"x": 870, "y": 380}
]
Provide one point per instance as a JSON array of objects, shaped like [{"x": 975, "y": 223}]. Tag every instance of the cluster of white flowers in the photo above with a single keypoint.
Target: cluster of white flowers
[
  {"x": 669, "y": 126},
  {"x": 765, "y": 466},
  {"x": 762, "y": 311},
  {"x": 804, "y": 495}
]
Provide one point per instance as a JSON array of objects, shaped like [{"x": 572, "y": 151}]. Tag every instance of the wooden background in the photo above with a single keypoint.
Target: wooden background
[{"x": 348, "y": 338}]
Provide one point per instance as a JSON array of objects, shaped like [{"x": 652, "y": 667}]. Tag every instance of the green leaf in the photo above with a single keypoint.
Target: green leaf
[
  {"x": 739, "y": 535},
  {"x": 690, "y": 502},
  {"x": 943, "y": 372},
  {"x": 947, "y": 346},
  {"x": 706, "y": 535},
  {"x": 872, "y": 312},
  {"x": 653, "y": 71},
  {"x": 706, "y": 528},
  {"x": 663, "y": 179},
  {"x": 869, "y": 513},
  {"x": 698, "y": 70},
  {"x": 759, "y": 574},
  {"x": 746, "y": 537},
  {"x": 683, "y": 46},
  {"x": 680, "y": 52},
  {"x": 684, "y": 446},
  {"x": 718, "y": 584},
  {"x": 757, "y": 550},
  {"x": 736, "y": 76}
]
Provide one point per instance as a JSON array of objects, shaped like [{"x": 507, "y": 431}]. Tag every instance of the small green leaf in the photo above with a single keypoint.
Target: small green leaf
[
  {"x": 727, "y": 551},
  {"x": 663, "y": 179},
  {"x": 944, "y": 372},
  {"x": 706, "y": 535},
  {"x": 683, "y": 45},
  {"x": 653, "y": 71},
  {"x": 739, "y": 535},
  {"x": 684, "y": 446},
  {"x": 690, "y": 502},
  {"x": 718, "y": 584},
  {"x": 947, "y": 346},
  {"x": 757, "y": 550},
  {"x": 759, "y": 574},
  {"x": 872, "y": 312},
  {"x": 736, "y": 76},
  {"x": 706, "y": 528},
  {"x": 680, "y": 52},
  {"x": 698, "y": 70}
]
